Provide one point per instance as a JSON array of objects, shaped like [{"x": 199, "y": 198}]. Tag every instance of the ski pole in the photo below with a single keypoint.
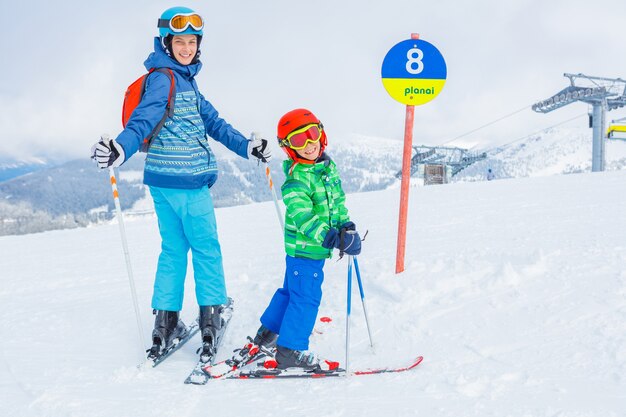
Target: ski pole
[
  {"x": 270, "y": 182},
  {"x": 129, "y": 269},
  {"x": 358, "y": 279},
  {"x": 349, "y": 302}
]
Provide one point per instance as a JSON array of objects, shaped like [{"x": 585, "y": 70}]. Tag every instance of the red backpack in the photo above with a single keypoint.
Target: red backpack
[{"x": 133, "y": 96}]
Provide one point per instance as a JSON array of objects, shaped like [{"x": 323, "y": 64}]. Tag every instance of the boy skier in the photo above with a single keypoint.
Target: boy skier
[
  {"x": 316, "y": 222},
  {"x": 179, "y": 170}
]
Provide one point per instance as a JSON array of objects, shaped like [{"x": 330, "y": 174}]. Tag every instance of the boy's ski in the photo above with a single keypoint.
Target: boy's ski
[
  {"x": 412, "y": 365},
  {"x": 264, "y": 373},
  {"x": 197, "y": 375},
  {"x": 243, "y": 357},
  {"x": 191, "y": 331}
]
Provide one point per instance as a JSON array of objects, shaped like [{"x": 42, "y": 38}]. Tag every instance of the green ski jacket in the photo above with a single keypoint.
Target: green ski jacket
[{"x": 315, "y": 202}]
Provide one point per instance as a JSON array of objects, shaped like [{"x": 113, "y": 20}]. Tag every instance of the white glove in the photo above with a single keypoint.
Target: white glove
[
  {"x": 257, "y": 147},
  {"x": 107, "y": 153}
]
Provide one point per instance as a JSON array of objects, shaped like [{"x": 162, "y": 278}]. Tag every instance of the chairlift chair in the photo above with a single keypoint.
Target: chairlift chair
[{"x": 617, "y": 129}]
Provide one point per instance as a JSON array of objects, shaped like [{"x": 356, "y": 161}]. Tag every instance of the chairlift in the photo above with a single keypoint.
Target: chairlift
[{"x": 617, "y": 131}]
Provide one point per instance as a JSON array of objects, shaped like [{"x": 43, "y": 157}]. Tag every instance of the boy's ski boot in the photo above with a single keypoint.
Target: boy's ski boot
[
  {"x": 168, "y": 330},
  {"x": 210, "y": 326},
  {"x": 265, "y": 338},
  {"x": 262, "y": 346},
  {"x": 303, "y": 361}
]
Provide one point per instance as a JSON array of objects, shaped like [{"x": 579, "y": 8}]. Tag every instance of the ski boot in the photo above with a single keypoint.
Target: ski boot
[
  {"x": 263, "y": 344},
  {"x": 168, "y": 330},
  {"x": 210, "y": 324},
  {"x": 303, "y": 360},
  {"x": 265, "y": 338}
]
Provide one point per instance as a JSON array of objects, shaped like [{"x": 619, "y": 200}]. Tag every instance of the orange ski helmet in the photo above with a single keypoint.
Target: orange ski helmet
[{"x": 292, "y": 121}]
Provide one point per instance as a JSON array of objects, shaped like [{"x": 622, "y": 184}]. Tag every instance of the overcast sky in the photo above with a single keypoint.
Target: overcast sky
[{"x": 67, "y": 64}]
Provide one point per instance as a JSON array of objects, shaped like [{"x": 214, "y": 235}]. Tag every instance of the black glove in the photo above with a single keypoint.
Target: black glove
[
  {"x": 107, "y": 153},
  {"x": 257, "y": 148},
  {"x": 346, "y": 240}
]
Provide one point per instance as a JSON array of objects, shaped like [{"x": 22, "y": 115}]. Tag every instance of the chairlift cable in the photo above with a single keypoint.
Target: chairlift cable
[
  {"x": 500, "y": 147},
  {"x": 485, "y": 125}
]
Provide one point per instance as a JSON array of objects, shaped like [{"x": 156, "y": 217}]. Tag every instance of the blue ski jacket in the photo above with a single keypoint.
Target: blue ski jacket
[{"x": 180, "y": 156}]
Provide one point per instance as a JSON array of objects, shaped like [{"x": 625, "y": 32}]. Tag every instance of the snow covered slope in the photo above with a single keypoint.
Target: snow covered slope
[{"x": 514, "y": 292}]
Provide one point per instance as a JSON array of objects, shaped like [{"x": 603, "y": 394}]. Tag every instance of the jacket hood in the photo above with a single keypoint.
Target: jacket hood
[{"x": 160, "y": 59}]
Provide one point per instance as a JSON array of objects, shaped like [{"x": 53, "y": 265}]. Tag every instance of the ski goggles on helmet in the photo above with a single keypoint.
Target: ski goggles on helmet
[
  {"x": 180, "y": 22},
  {"x": 300, "y": 138}
]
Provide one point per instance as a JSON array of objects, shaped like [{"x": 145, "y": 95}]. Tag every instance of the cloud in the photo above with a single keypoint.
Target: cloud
[{"x": 262, "y": 59}]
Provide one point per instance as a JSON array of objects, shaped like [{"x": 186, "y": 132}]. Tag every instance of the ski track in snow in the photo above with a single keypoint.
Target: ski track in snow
[{"x": 514, "y": 292}]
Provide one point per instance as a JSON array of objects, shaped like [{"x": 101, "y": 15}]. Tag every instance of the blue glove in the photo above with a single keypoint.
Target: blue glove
[
  {"x": 349, "y": 226},
  {"x": 347, "y": 241}
]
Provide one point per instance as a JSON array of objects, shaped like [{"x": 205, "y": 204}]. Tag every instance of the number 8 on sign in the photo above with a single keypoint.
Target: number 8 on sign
[
  {"x": 414, "y": 60},
  {"x": 414, "y": 72}
]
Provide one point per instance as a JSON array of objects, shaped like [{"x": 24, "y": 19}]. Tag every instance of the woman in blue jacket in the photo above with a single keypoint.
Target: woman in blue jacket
[{"x": 179, "y": 170}]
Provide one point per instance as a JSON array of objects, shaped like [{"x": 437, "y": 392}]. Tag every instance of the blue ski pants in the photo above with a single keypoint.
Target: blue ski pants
[
  {"x": 187, "y": 221},
  {"x": 293, "y": 308}
]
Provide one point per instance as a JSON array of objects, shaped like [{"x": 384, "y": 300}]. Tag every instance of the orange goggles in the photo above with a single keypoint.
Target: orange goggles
[
  {"x": 300, "y": 138},
  {"x": 180, "y": 22}
]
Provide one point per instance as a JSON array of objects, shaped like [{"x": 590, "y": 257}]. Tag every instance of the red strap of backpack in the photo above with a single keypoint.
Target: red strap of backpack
[{"x": 169, "y": 109}]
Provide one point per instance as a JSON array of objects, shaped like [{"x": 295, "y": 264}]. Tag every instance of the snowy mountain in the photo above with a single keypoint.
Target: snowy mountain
[
  {"x": 556, "y": 151},
  {"x": 514, "y": 292},
  {"x": 70, "y": 195},
  {"x": 11, "y": 168},
  {"x": 75, "y": 194}
]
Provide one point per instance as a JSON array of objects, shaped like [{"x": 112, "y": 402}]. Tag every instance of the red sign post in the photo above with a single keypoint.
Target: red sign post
[
  {"x": 413, "y": 73},
  {"x": 404, "y": 186}
]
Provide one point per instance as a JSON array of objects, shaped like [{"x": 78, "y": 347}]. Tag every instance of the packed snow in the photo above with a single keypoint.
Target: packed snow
[{"x": 514, "y": 292}]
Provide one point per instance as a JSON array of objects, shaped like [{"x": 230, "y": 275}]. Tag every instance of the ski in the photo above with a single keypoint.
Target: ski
[
  {"x": 412, "y": 365},
  {"x": 191, "y": 332},
  {"x": 263, "y": 373},
  {"x": 197, "y": 375},
  {"x": 249, "y": 354}
]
